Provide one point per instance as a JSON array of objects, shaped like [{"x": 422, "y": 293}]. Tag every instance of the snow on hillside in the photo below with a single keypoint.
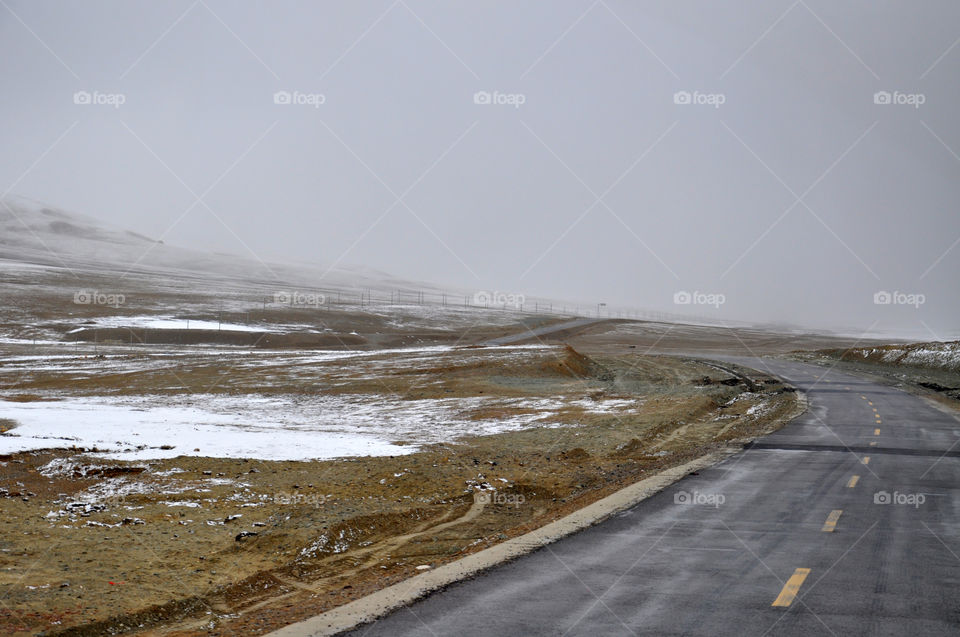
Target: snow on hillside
[
  {"x": 939, "y": 355},
  {"x": 173, "y": 323},
  {"x": 945, "y": 356},
  {"x": 34, "y": 233}
]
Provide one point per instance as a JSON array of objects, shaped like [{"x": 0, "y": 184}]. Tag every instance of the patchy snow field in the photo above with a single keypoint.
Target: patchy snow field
[
  {"x": 935, "y": 355},
  {"x": 134, "y": 431},
  {"x": 64, "y": 359},
  {"x": 174, "y": 323},
  {"x": 253, "y": 420},
  {"x": 939, "y": 355},
  {"x": 268, "y": 427}
]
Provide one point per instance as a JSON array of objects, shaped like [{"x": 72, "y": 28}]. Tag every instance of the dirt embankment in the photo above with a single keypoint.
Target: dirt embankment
[{"x": 931, "y": 369}]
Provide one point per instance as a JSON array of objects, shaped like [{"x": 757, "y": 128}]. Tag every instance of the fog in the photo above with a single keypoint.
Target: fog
[{"x": 621, "y": 152}]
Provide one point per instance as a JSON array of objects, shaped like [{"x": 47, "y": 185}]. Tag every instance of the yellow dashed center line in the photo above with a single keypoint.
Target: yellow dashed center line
[
  {"x": 866, "y": 460},
  {"x": 876, "y": 432},
  {"x": 791, "y": 588},
  {"x": 853, "y": 482},
  {"x": 873, "y": 444},
  {"x": 870, "y": 402},
  {"x": 831, "y": 522}
]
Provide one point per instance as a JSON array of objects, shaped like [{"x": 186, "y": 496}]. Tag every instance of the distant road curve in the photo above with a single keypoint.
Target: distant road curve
[{"x": 543, "y": 331}]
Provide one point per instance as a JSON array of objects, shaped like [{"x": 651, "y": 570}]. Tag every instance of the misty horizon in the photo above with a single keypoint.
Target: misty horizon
[{"x": 796, "y": 159}]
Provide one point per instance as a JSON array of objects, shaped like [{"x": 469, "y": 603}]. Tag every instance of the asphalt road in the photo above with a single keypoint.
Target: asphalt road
[{"x": 792, "y": 537}]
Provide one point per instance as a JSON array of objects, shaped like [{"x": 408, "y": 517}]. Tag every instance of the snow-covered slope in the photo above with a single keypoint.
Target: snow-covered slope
[
  {"x": 936, "y": 355},
  {"x": 34, "y": 233}
]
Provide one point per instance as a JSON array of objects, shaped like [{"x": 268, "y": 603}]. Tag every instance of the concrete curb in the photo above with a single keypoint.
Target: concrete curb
[{"x": 378, "y": 604}]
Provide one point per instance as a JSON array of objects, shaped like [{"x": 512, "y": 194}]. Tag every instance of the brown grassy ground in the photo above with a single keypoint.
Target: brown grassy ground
[
  {"x": 40, "y": 304},
  {"x": 134, "y": 557},
  {"x": 650, "y": 337}
]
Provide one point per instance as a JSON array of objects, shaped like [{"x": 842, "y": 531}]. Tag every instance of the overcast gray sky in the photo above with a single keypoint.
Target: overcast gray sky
[{"x": 787, "y": 189}]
